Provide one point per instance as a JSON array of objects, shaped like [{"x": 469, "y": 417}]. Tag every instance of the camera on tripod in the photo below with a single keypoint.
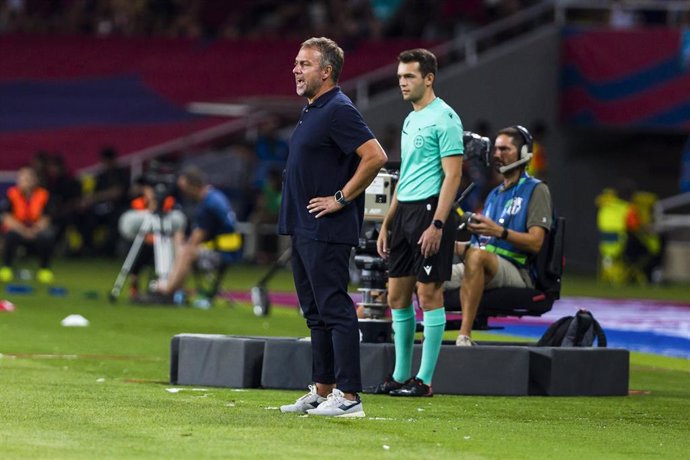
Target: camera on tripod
[
  {"x": 150, "y": 226},
  {"x": 162, "y": 179},
  {"x": 373, "y": 278}
]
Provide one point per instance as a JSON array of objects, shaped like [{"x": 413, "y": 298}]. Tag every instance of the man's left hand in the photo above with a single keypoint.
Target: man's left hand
[
  {"x": 323, "y": 205},
  {"x": 430, "y": 241}
]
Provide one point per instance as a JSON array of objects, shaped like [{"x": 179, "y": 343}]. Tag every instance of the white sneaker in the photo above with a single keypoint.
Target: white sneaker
[
  {"x": 337, "y": 406},
  {"x": 464, "y": 341},
  {"x": 309, "y": 401}
]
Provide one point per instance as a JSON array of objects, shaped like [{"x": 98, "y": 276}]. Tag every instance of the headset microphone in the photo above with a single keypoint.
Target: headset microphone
[{"x": 522, "y": 161}]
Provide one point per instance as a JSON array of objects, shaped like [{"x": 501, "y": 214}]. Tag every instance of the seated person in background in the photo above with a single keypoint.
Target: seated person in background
[
  {"x": 65, "y": 197},
  {"x": 101, "y": 209},
  {"x": 26, "y": 222},
  {"x": 213, "y": 220},
  {"x": 517, "y": 215},
  {"x": 146, "y": 206}
]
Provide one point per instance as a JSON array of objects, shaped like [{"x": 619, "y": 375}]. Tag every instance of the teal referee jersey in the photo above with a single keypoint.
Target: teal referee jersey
[{"x": 427, "y": 136}]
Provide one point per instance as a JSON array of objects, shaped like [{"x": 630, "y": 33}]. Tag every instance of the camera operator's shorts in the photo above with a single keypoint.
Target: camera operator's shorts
[
  {"x": 507, "y": 275},
  {"x": 411, "y": 219}
]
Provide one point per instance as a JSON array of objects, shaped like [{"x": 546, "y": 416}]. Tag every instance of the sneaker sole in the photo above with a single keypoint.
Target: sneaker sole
[
  {"x": 345, "y": 415},
  {"x": 352, "y": 415}
]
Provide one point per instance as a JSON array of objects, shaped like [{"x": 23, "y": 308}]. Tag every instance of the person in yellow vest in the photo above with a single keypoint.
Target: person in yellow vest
[
  {"x": 613, "y": 237},
  {"x": 26, "y": 222}
]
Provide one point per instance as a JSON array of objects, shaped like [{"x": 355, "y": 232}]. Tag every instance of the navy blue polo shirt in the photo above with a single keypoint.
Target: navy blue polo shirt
[{"x": 320, "y": 162}]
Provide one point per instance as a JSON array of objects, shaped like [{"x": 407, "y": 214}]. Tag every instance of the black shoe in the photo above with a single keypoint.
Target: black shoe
[
  {"x": 413, "y": 387},
  {"x": 384, "y": 387}
]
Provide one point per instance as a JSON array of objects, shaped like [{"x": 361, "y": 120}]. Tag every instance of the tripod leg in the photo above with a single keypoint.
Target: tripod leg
[
  {"x": 130, "y": 259},
  {"x": 163, "y": 250},
  {"x": 277, "y": 265}
]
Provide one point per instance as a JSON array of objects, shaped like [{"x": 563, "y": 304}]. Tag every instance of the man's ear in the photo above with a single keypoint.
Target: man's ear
[{"x": 327, "y": 72}]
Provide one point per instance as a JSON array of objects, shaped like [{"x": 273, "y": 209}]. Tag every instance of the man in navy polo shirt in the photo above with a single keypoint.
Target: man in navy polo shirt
[{"x": 333, "y": 157}]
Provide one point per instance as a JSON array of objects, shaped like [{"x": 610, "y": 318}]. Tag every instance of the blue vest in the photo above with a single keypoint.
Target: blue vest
[{"x": 509, "y": 209}]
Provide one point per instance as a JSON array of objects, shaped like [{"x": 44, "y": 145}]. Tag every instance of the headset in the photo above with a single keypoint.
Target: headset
[{"x": 525, "y": 153}]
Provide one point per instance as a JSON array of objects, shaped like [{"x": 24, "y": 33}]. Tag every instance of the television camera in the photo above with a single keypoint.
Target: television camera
[
  {"x": 162, "y": 179},
  {"x": 157, "y": 221}
]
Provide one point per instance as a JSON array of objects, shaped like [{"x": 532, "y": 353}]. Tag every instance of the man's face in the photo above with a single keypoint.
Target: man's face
[
  {"x": 26, "y": 180},
  {"x": 183, "y": 186},
  {"x": 412, "y": 84},
  {"x": 505, "y": 152},
  {"x": 309, "y": 77}
]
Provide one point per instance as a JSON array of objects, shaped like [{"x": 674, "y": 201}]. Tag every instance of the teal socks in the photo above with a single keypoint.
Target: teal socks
[
  {"x": 404, "y": 327},
  {"x": 434, "y": 327}
]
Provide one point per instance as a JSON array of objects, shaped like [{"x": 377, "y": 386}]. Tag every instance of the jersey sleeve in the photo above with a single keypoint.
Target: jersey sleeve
[
  {"x": 450, "y": 133},
  {"x": 539, "y": 211}
]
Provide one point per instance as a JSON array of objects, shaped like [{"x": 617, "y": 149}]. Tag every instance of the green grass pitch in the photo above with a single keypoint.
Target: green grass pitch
[{"x": 101, "y": 392}]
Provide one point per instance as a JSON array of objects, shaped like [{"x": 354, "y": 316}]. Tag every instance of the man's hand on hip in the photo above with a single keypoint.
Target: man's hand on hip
[{"x": 323, "y": 205}]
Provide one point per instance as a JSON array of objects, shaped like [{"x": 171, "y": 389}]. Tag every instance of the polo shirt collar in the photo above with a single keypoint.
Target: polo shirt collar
[{"x": 324, "y": 98}]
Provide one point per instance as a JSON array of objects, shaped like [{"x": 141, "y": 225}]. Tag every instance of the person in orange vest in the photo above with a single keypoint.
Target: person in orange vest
[{"x": 26, "y": 222}]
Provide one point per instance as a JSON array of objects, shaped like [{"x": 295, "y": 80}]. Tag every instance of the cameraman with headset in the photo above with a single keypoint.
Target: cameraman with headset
[{"x": 517, "y": 214}]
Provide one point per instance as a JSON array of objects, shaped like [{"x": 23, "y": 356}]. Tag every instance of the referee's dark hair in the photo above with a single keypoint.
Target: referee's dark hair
[
  {"x": 427, "y": 60},
  {"x": 331, "y": 54}
]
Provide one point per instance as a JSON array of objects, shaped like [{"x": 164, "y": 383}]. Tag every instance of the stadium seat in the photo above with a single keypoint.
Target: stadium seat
[{"x": 519, "y": 302}]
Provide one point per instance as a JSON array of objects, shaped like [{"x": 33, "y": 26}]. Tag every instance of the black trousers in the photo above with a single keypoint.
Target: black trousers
[
  {"x": 42, "y": 246},
  {"x": 321, "y": 277}
]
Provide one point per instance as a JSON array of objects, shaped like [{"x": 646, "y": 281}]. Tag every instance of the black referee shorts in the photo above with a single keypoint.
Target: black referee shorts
[{"x": 410, "y": 220}]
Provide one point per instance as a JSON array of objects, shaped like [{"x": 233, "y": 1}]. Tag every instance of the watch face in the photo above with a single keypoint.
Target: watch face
[{"x": 340, "y": 198}]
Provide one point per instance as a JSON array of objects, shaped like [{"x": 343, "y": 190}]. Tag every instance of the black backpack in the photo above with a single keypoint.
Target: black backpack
[{"x": 574, "y": 331}]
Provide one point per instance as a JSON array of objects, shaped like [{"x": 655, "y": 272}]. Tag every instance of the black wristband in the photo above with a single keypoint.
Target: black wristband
[{"x": 504, "y": 235}]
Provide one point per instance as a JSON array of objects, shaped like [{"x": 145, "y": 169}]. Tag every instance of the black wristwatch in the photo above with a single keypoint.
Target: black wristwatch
[
  {"x": 438, "y": 224},
  {"x": 340, "y": 198},
  {"x": 504, "y": 234}
]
